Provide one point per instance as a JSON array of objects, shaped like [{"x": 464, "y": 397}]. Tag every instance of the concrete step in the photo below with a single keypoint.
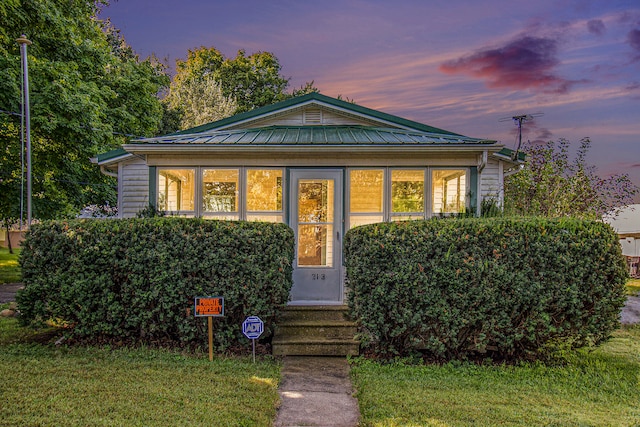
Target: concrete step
[
  {"x": 315, "y": 331},
  {"x": 321, "y": 328},
  {"x": 315, "y": 347},
  {"x": 315, "y": 312}
]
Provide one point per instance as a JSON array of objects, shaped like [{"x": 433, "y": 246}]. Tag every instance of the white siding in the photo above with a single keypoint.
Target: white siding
[
  {"x": 311, "y": 116},
  {"x": 630, "y": 246},
  {"x": 491, "y": 182},
  {"x": 133, "y": 185}
]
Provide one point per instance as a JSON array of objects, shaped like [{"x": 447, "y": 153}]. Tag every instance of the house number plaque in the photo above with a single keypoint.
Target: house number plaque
[{"x": 317, "y": 276}]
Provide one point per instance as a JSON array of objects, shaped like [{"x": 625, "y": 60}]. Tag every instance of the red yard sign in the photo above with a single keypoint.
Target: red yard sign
[{"x": 209, "y": 306}]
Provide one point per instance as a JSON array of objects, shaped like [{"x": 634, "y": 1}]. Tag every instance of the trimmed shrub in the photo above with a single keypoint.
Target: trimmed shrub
[
  {"x": 499, "y": 287},
  {"x": 135, "y": 279}
]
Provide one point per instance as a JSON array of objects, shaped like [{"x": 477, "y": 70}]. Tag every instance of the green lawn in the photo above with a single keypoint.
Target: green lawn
[
  {"x": 9, "y": 268},
  {"x": 45, "y": 385},
  {"x": 633, "y": 287},
  {"x": 598, "y": 387}
]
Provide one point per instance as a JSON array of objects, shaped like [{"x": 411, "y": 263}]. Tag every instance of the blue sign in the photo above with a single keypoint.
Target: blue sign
[{"x": 252, "y": 327}]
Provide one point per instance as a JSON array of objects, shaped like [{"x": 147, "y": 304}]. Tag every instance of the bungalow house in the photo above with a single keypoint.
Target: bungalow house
[{"x": 319, "y": 164}]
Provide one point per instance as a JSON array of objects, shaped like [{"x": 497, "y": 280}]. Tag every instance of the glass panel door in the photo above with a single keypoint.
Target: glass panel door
[
  {"x": 316, "y": 218},
  {"x": 315, "y": 222}
]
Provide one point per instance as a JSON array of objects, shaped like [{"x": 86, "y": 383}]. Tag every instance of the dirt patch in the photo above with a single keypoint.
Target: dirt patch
[{"x": 8, "y": 292}]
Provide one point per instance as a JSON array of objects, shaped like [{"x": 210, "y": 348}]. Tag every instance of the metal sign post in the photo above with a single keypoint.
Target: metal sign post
[
  {"x": 209, "y": 307},
  {"x": 26, "y": 118},
  {"x": 252, "y": 328}
]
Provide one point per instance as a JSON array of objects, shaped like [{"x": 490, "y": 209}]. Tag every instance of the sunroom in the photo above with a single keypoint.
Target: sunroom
[
  {"x": 318, "y": 164},
  {"x": 256, "y": 194}
]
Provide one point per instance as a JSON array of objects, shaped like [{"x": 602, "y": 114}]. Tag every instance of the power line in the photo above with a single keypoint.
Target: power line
[
  {"x": 10, "y": 113},
  {"x": 113, "y": 132}
]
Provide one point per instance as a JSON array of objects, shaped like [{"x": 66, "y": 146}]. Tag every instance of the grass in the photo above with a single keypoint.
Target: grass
[
  {"x": 633, "y": 287},
  {"x": 597, "y": 387},
  {"x": 9, "y": 268},
  {"x": 46, "y": 385}
]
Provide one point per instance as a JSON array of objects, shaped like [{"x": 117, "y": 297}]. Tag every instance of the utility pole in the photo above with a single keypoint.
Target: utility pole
[
  {"x": 519, "y": 120},
  {"x": 24, "y": 42}
]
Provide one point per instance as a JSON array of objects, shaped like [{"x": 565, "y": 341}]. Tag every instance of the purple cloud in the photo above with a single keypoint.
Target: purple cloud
[
  {"x": 596, "y": 26},
  {"x": 633, "y": 38},
  {"x": 633, "y": 89},
  {"x": 525, "y": 63},
  {"x": 542, "y": 135},
  {"x": 533, "y": 133}
]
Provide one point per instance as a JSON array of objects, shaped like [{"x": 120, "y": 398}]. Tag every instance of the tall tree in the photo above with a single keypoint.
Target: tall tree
[
  {"x": 552, "y": 184},
  {"x": 207, "y": 84},
  {"x": 88, "y": 90},
  {"x": 254, "y": 80},
  {"x": 200, "y": 100}
]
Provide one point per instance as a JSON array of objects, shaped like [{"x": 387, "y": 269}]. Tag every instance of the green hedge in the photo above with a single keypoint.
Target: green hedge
[
  {"x": 469, "y": 288},
  {"x": 136, "y": 279}
]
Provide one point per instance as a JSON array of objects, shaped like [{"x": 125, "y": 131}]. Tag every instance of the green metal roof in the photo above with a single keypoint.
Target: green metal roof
[
  {"x": 315, "y": 96},
  {"x": 112, "y": 155},
  {"x": 507, "y": 152},
  {"x": 314, "y": 135}
]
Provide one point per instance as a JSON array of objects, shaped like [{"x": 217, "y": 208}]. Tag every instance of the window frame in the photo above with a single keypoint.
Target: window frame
[
  {"x": 220, "y": 215},
  {"x": 242, "y": 213},
  {"x": 347, "y": 207},
  {"x": 245, "y": 208},
  {"x": 387, "y": 214},
  {"x": 465, "y": 194},
  {"x": 178, "y": 212},
  {"x": 404, "y": 216}
]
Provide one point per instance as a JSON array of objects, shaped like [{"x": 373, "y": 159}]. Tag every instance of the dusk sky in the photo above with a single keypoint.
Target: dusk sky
[{"x": 460, "y": 65}]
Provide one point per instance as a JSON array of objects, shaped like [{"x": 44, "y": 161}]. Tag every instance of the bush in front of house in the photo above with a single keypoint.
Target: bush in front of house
[
  {"x": 134, "y": 280},
  {"x": 505, "y": 288}
]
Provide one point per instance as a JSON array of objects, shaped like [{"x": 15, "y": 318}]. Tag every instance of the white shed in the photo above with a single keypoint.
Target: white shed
[{"x": 627, "y": 224}]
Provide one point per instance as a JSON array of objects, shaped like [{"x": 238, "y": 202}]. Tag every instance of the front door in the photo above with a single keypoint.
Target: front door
[{"x": 316, "y": 218}]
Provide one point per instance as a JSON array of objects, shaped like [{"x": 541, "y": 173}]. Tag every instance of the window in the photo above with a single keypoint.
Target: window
[
  {"x": 220, "y": 193},
  {"x": 315, "y": 222},
  {"x": 366, "y": 202},
  {"x": 264, "y": 195},
  {"x": 448, "y": 191},
  {"x": 400, "y": 194},
  {"x": 407, "y": 194},
  {"x": 176, "y": 190}
]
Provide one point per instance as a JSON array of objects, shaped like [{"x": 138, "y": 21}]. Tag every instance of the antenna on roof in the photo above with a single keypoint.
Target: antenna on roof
[{"x": 519, "y": 120}]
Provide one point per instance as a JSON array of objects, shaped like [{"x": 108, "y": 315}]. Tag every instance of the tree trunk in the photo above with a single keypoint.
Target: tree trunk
[{"x": 8, "y": 238}]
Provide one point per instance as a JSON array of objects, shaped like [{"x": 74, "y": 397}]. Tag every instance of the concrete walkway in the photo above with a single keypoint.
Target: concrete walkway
[
  {"x": 316, "y": 391},
  {"x": 8, "y": 291},
  {"x": 631, "y": 311}
]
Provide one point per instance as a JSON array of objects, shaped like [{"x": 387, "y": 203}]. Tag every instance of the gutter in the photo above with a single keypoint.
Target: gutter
[
  {"x": 106, "y": 172},
  {"x": 280, "y": 148},
  {"x": 483, "y": 161}
]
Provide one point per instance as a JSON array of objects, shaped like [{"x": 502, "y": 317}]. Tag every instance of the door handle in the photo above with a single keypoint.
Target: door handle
[{"x": 338, "y": 235}]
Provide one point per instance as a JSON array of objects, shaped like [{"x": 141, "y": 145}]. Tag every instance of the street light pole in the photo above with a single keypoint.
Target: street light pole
[{"x": 24, "y": 42}]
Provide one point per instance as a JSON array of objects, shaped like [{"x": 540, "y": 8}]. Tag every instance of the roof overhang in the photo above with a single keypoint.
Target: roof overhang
[
  {"x": 109, "y": 161},
  {"x": 311, "y": 149},
  {"x": 111, "y": 157}
]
